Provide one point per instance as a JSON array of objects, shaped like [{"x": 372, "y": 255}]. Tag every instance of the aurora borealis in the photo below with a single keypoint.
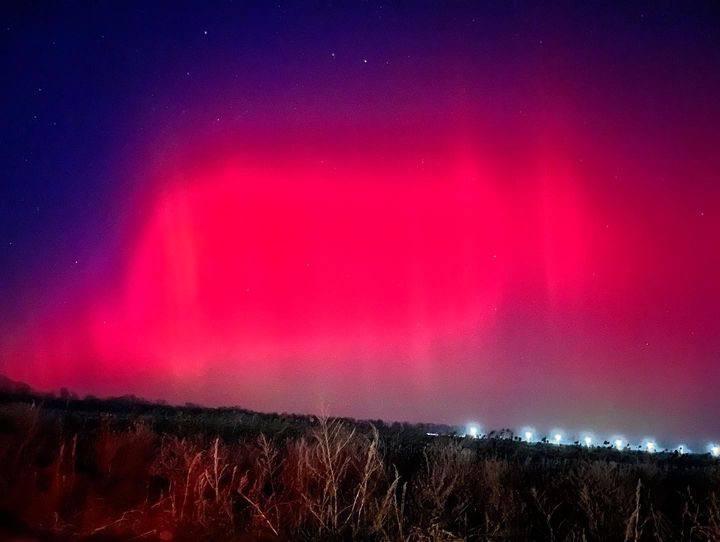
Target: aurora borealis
[{"x": 435, "y": 212}]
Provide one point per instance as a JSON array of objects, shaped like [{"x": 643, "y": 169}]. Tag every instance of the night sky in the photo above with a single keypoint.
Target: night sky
[{"x": 497, "y": 211}]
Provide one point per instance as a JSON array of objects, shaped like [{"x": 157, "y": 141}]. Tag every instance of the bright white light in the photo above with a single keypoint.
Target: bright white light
[
  {"x": 682, "y": 449},
  {"x": 527, "y": 433},
  {"x": 473, "y": 431},
  {"x": 619, "y": 444},
  {"x": 588, "y": 441},
  {"x": 715, "y": 450},
  {"x": 558, "y": 438},
  {"x": 649, "y": 445}
]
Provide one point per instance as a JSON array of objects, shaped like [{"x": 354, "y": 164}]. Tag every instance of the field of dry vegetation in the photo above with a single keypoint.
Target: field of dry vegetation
[{"x": 104, "y": 470}]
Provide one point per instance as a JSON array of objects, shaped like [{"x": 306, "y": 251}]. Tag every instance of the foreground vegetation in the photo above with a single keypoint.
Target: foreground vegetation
[{"x": 121, "y": 469}]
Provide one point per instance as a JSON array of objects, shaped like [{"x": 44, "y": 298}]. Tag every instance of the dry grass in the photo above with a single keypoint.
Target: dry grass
[{"x": 332, "y": 481}]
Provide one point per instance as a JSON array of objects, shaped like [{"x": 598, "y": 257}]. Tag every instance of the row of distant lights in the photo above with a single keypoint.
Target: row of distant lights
[{"x": 650, "y": 446}]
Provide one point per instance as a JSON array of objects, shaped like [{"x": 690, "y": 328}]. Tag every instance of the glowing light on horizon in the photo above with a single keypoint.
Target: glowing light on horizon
[
  {"x": 588, "y": 439},
  {"x": 527, "y": 434}
]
